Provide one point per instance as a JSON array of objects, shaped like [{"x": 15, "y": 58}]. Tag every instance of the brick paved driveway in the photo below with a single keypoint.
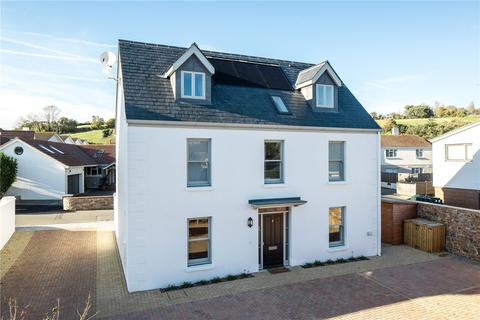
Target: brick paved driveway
[{"x": 37, "y": 267}]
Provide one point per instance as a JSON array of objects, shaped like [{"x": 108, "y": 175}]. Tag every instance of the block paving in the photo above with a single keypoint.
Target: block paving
[{"x": 39, "y": 267}]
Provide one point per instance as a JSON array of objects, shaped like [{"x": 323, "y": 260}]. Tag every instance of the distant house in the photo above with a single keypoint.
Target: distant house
[
  {"x": 406, "y": 153},
  {"x": 25, "y": 134},
  {"x": 456, "y": 166},
  {"x": 67, "y": 139},
  {"x": 104, "y": 172},
  {"x": 48, "y": 136},
  {"x": 79, "y": 141},
  {"x": 49, "y": 170}
]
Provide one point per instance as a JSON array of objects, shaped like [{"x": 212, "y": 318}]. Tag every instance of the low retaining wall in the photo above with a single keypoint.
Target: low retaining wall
[
  {"x": 7, "y": 219},
  {"x": 87, "y": 203},
  {"x": 411, "y": 189},
  {"x": 463, "y": 227}
]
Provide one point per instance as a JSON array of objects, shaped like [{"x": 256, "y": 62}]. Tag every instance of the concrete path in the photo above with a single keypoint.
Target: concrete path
[{"x": 37, "y": 267}]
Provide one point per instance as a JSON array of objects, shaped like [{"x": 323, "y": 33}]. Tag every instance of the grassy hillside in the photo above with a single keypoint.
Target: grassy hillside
[
  {"x": 93, "y": 136},
  {"x": 413, "y": 122}
]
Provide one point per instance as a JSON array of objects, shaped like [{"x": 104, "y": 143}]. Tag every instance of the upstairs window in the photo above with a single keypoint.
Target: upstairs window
[
  {"x": 419, "y": 153},
  {"x": 198, "y": 163},
  {"x": 458, "y": 152},
  {"x": 336, "y": 155},
  {"x": 273, "y": 162},
  {"x": 391, "y": 153},
  {"x": 193, "y": 85},
  {"x": 280, "y": 105},
  {"x": 325, "y": 96}
]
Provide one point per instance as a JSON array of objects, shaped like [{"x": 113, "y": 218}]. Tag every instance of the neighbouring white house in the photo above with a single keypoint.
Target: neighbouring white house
[
  {"x": 50, "y": 170},
  {"x": 406, "y": 153},
  {"x": 68, "y": 140},
  {"x": 456, "y": 166},
  {"x": 229, "y": 163}
]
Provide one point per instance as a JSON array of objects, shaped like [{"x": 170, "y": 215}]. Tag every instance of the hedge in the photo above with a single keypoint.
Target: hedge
[{"x": 8, "y": 172}]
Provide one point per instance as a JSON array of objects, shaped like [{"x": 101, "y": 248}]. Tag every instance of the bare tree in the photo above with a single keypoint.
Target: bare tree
[{"x": 50, "y": 114}]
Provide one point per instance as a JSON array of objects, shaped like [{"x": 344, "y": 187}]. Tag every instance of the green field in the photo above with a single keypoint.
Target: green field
[
  {"x": 93, "y": 136},
  {"x": 413, "y": 122}
]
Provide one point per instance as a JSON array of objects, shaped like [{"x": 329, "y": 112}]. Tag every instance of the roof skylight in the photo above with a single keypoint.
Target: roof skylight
[
  {"x": 59, "y": 151},
  {"x": 45, "y": 148},
  {"x": 280, "y": 105}
]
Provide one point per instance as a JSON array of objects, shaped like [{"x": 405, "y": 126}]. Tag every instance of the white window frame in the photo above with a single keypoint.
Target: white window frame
[
  {"x": 419, "y": 153},
  {"x": 465, "y": 146},
  {"x": 342, "y": 178},
  {"x": 201, "y": 261},
  {"x": 417, "y": 170},
  {"x": 209, "y": 182},
  {"x": 193, "y": 96},
  {"x": 324, "y": 88},
  {"x": 342, "y": 242},
  {"x": 281, "y": 180},
  {"x": 394, "y": 152}
]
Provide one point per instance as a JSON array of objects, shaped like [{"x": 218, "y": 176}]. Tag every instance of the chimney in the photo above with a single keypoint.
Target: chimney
[{"x": 395, "y": 131}]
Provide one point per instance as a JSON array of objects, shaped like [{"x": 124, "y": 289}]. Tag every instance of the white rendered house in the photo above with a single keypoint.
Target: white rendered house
[
  {"x": 229, "y": 164},
  {"x": 406, "y": 153},
  {"x": 456, "y": 166}
]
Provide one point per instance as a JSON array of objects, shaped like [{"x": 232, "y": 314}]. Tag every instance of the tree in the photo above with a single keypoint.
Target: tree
[
  {"x": 66, "y": 125},
  {"x": 110, "y": 123},
  {"x": 97, "y": 123},
  {"x": 461, "y": 112},
  {"x": 418, "y": 111},
  {"x": 471, "y": 108},
  {"x": 8, "y": 172},
  {"x": 50, "y": 114}
]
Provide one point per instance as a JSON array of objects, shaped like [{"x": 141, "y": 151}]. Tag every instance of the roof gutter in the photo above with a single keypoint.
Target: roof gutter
[{"x": 214, "y": 125}]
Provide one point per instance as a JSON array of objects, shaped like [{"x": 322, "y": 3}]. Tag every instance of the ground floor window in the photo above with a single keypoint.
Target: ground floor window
[
  {"x": 336, "y": 218},
  {"x": 417, "y": 170},
  {"x": 199, "y": 237}
]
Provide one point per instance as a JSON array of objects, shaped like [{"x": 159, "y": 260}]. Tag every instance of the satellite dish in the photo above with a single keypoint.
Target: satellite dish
[{"x": 108, "y": 59}]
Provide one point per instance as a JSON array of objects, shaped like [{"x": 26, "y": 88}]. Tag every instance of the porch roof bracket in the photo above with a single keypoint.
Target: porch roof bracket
[{"x": 272, "y": 202}]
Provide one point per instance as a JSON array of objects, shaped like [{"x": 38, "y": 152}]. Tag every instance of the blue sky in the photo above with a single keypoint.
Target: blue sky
[{"x": 388, "y": 53}]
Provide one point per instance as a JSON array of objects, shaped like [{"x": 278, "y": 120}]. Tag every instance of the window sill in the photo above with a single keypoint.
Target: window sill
[
  {"x": 337, "y": 182},
  {"x": 274, "y": 185},
  {"x": 337, "y": 249},
  {"x": 193, "y": 189},
  {"x": 200, "y": 267}
]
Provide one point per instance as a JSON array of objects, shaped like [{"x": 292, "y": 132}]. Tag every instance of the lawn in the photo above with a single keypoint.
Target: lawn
[
  {"x": 413, "y": 122},
  {"x": 94, "y": 136}
]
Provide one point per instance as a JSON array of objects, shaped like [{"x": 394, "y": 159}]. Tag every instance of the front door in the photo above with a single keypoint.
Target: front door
[{"x": 272, "y": 240}]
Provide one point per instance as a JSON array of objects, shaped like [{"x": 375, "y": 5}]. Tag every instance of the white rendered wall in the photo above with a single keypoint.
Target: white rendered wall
[
  {"x": 159, "y": 203},
  {"x": 457, "y": 174},
  {"x": 407, "y": 158},
  {"x": 39, "y": 177},
  {"x": 7, "y": 219}
]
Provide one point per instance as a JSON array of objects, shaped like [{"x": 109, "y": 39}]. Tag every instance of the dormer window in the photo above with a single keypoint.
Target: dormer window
[
  {"x": 193, "y": 85},
  {"x": 325, "y": 96}
]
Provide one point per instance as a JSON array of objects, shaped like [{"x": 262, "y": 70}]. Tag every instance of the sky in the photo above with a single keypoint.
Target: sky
[{"x": 389, "y": 54}]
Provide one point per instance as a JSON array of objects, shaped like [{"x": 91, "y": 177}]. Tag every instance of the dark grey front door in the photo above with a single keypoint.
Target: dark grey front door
[
  {"x": 73, "y": 184},
  {"x": 272, "y": 240}
]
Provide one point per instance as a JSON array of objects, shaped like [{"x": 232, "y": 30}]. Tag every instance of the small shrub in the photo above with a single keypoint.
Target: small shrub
[
  {"x": 341, "y": 260},
  {"x": 231, "y": 277},
  {"x": 216, "y": 280},
  {"x": 186, "y": 284},
  {"x": 329, "y": 261},
  {"x": 201, "y": 282}
]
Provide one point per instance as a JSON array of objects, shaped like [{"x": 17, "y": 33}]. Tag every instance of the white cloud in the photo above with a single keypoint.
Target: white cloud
[
  {"x": 50, "y": 56},
  {"x": 70, "y": 40}
]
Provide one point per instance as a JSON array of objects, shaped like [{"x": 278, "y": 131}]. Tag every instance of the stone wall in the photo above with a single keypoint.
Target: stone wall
[
  {"x": 463, "y": 227},
  {"x": 87, "y": 203}
]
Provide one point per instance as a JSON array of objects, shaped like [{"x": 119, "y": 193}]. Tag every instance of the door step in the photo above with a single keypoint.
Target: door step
[{"x": 278, "y": 270}]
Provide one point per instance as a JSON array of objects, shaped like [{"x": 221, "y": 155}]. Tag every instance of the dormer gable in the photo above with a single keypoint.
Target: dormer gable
[
  {"x": 191, "y": 77},
  {"x": 319, "y": 85}
]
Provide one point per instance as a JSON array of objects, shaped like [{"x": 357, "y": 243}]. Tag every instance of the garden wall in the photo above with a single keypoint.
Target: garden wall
[
  {"x": 7, "y": 219},
  {"x": 87, "y": 203},
  {"x": 463, "y": 227}
]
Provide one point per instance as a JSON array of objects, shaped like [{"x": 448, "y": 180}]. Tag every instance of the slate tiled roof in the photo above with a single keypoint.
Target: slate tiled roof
[
  {"x": 70, "y": 155},
  {"x": 308, "y": 74},
  {"x": 44, "y": 135},
  {"x": 17, "y": 133},
  {"x": 101, "y": 153},
  {"x": 404, "y": 140},
  {"x": 148, "y": 96}
]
